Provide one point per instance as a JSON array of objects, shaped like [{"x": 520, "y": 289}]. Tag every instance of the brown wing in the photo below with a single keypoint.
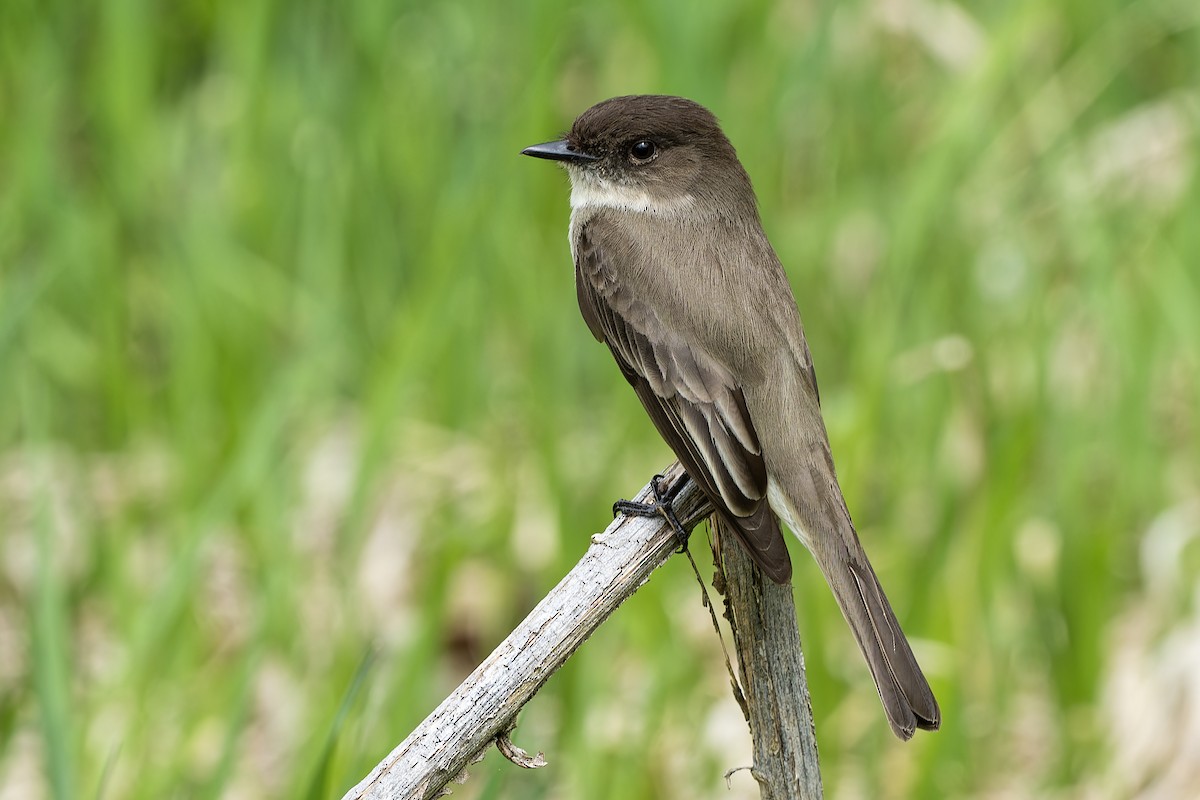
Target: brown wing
[{"x": 692, "y": 399}]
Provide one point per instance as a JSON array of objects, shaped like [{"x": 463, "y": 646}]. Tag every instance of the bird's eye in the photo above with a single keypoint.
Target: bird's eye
[{"x": 643, "y": 150}]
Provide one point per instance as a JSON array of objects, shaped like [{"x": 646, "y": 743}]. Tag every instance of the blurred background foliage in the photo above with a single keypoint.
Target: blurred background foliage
[{"x": 292, "y": 374}]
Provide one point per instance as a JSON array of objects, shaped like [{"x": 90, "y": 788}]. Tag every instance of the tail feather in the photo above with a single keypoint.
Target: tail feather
[
  {"x": 823, "y": 524},
  {"x": 906, "y": 696}
]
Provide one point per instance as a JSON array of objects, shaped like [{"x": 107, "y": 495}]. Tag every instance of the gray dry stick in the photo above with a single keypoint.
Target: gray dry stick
[
  {"x": 619, "y": 561},
  {"x": 767, "y": 640}
]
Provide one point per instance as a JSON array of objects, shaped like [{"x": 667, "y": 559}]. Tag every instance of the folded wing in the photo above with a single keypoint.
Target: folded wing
[{"x": 690, "y": 396}]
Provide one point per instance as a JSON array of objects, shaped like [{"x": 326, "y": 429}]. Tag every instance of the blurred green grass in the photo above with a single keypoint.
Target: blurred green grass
[{"x": 293, "y": 373}]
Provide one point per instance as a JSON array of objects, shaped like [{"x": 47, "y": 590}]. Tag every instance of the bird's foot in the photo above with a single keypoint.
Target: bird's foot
[{"x": 661, "y": 505}]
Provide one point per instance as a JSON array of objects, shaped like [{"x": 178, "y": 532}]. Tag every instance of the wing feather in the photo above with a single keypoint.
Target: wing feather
[{"x": 692, "y": 398}]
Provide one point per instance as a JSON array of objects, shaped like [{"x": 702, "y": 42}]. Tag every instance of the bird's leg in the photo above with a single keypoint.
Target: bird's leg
[{"x": 660, "y": 505}]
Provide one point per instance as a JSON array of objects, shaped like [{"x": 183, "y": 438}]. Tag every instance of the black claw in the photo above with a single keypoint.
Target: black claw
[
  {"x": 631, "y": 508},
  {"x": 661, "y": 505},
  {"x": 673, "y": 490}
]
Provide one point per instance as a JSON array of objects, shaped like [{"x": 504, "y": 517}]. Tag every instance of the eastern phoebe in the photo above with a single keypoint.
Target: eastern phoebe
[{"x": 674, "y": 273}]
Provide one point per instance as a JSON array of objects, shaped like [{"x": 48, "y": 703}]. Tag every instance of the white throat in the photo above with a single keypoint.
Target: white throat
[{"x": 590, "y": 192}]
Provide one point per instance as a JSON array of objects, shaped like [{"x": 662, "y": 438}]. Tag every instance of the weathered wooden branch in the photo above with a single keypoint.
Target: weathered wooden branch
[
  {"x": 484, "y": 708},
  {"x": 767, "y": 639}
]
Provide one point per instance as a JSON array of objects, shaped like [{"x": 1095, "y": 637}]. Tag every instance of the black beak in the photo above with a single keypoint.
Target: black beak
[{"x": 559, "y": 151}]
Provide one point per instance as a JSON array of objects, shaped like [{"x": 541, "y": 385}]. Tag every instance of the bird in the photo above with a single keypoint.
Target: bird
[{"x": 674, "y": 273}]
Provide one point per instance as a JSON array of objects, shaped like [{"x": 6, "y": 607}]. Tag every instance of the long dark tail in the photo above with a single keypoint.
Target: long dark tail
[{"x": 907, "y": 698}]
